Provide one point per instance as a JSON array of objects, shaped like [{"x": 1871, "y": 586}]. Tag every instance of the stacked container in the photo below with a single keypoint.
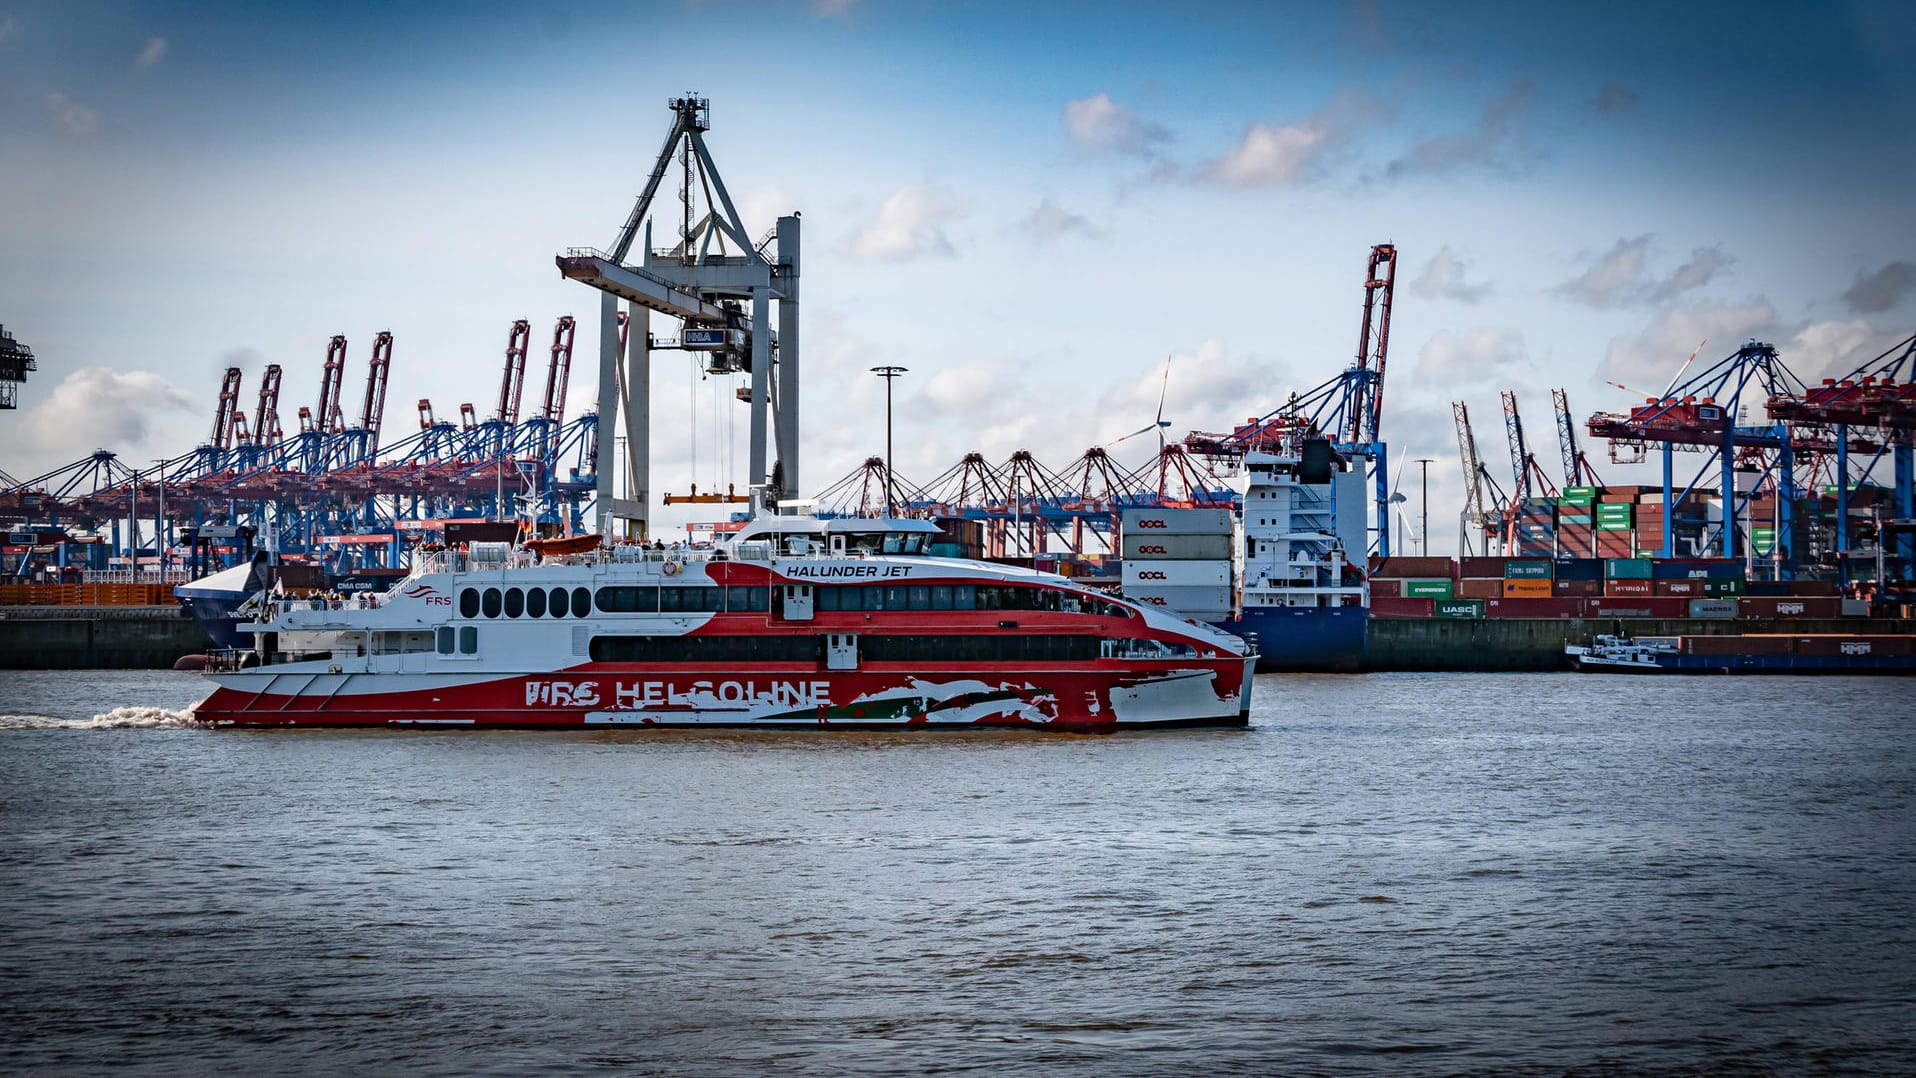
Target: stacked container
[{"x": 1180, "y": 559}]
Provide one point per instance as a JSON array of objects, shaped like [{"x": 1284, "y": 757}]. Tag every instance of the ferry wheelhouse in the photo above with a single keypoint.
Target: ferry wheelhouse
[{"x": 796, "y": 622}]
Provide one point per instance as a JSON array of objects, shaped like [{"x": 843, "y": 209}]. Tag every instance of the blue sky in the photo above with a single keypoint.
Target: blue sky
[{"x": 1028, "y": 205}]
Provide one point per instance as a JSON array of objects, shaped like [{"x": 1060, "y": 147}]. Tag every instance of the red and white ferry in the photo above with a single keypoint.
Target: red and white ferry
[{"x": 795, "y": 622}]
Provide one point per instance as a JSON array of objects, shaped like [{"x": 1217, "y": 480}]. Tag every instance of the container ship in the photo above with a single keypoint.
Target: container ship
[
  {"x": 1280, "y": 574},
  {"x": 1749, "y": 653},
  {"x": 793, "y": 622}
]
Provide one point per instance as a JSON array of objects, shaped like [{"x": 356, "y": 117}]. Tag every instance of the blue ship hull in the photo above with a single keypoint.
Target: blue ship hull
[
  {"x": 1306, "y": 638},
  {"x": 1788, "y": 664}
]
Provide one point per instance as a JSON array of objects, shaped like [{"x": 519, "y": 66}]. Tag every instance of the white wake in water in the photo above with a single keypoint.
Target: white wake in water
[{"x": 120, "y": 718}]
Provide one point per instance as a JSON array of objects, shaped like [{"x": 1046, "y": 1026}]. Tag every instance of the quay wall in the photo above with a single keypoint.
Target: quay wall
[
  {"x": 1538, "y": 643},
  {"x": 96, "y": 637}
]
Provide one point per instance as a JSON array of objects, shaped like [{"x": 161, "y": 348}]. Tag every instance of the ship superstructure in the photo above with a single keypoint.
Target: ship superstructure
[{"x": 796, "y": 623}]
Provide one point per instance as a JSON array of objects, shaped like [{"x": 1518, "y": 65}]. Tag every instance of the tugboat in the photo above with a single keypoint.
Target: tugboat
[{"x": 795, "y": 622}]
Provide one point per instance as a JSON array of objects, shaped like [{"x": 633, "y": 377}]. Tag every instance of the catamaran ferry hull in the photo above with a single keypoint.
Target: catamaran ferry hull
[{"x": 1182, "y": 693}]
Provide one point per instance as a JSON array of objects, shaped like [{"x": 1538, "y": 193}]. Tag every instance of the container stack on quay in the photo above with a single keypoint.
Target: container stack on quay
[
  {"x": 1180, "y": 559},
  {"x": 1620, "y": 587}
]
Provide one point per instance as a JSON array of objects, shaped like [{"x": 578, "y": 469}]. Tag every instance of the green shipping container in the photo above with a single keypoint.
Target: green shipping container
[
  {"x": 1628, "y": 569},
  {"x": 1526, "y": 570},
  {"x": 1427, "y": 589},
  {"x": 1614, "y": 511},
  {"x": 1723, "y": 589},
  {"x": 1459, "y": 608},
  {"x": 1573, "y": 518},
  {"x": 1578, "y": 496},
  {"x": 1613, "y": 525}
]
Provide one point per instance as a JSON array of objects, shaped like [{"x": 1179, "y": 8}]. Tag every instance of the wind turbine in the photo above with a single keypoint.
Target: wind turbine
[{"x": 1162, "y": 423}]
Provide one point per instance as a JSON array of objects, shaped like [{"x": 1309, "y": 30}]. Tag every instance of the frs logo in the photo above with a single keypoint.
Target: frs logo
[
  {"x": 427, "y": 594},
  {"x": 1153, "y": 575},
  {"x": 1153, "y": 523},
  {"x": 1152, "y": 549}
]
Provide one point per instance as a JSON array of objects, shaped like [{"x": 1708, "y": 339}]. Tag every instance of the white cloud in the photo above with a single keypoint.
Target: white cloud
[
  {"x": 1293, "y": 152},
  {"x": 909, "y": 225},
  {"x": 1647, "y": 361},
  {"x": 1621, "y": 275},
  {"x": 96, "y": 407},
  {"x": 1100, "y": 125},
  {"x": 1267, "y": 155},
  {"x": 70, "y": 116},
  {"x": 153, "y": 53},
  {"x": 1496, "y": 140},
  {"x": 1832, "y": 349},
  {"x": 1050, "y": 221},
  {"x": 761, "y": 209},
  {"x": 1443, "y": 278},
  {"x": 1470, "y": 357}
]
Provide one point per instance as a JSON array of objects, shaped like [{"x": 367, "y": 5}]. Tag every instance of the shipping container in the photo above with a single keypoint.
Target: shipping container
[
  {"x": 1574, "y": 568},
  {"x": 1750, "y": 644},
  {"x": 1472, "y": 587},
  {"x": 1713, "y": 608},
  {"x": 1722, "y": 589},
  {"x": 1525, "y": 607},
  {"x": 1481, "y": 567},
  {"x": 1686, "y": 588},
  {"x": 1458, "y": 608},
  {"x": 1850, "y": 644},
  {"x": 1629, "y": 587},
  {"x": 1854, "y": 608},
  {"x": 1401, "y": 608},
  {"x": 1527, "y": 569},
  {"x": 1176, "y": 522},
  {"x": 1627, "y": 568},
  {"x": 1574, "y": 518},
  {"x": 1429, "y": 589},
  {"x": 1188, "y": 600},
  {"x": 1576, "y": 588},
  {"x": 1407, "y": 568},
  {"x": 1821, "y": 588},
  {"x": 1176, "y": 574},
  {"x": 1528, "y": 589},
  {"x": 1637, "y": 607},
  {"x": 1578, "y": 496},
  {"x": 1385, "y": 587},
  {"x": 1174, "y": 546},
  {"x": 1807, "y": 607}
]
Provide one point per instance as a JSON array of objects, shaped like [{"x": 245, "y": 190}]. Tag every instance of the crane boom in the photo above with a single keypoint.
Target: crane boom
[
  {"x": 266, "y": 419},
  {"x": 1373, "y": 345},
  {"x": 327, "y": 416},
  {"x": 1519, "y": 451},
  {"x": 1473, "y": 468},
  {"x": 560, "y": 370},
  {"x": 372, "y": 411},
  {"x": 228, "y": 407},
  {"x": 513, "y": 383}
]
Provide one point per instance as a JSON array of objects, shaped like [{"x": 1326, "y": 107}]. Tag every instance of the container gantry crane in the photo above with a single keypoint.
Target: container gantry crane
[{"x": 1577, "y": 471}]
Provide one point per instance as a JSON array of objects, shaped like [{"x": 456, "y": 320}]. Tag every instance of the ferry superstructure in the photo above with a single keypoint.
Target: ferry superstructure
[{"x": 797, "y": 623}]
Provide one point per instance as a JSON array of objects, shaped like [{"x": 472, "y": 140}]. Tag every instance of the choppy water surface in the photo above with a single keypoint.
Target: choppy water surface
[{"x": 1388, "y": 874}]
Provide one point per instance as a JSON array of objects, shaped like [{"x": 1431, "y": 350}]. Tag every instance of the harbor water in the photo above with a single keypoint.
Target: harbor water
[{"x": 1393, "y": 873}]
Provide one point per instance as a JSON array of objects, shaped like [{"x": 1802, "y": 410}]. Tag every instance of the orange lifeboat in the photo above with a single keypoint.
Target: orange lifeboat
[{"x": 571, "y": 544}]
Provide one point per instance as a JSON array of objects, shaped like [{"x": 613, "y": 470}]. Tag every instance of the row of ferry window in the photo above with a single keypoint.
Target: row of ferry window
[
  {"x": 980, "y": 647},
  {"x": 578, "y": 602},
  {"x": 842, "y": 597}
]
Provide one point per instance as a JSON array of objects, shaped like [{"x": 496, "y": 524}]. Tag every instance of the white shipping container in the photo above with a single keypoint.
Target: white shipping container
[
  {"x": 1177, "y": 574},
  {"x": 1188, "y": 601},
  {"x": 1148, "y": 546},
  {"x": 1176, "y": 522}
]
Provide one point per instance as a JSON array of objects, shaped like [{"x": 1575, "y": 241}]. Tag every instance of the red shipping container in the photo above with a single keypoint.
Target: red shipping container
[
  {"x": 1578, "y": 588},
  {"x": 1415, "y": 568},
  {"x": 1849, "y": 644},
  {"x": 1485, "y": 568},
  {"x": 1789, "y": 607},
  {"x": 1384, "y": 587},
  {"x": 1401, "y": 608},
  {"x": 1634, "y": 607},
  {"x": 1825, "y": 588},
  {"x": 1473, "y": 588},
  {"x": 1534, "y": 608},
  {"x": 1629, "y": 587},
  {"x": 1691, "y": 588}
]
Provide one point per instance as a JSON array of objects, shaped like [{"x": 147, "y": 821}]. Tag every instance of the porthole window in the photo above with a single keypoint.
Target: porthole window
[
  {"x": 515, "y": 602},
  {"x": 535, "y": 602},
  {"x": 490, "y": 602},
  {"x": 581, "y": 602},
  {"x": 557, "y": 607},
  {"x": 469, "y": 603}
]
